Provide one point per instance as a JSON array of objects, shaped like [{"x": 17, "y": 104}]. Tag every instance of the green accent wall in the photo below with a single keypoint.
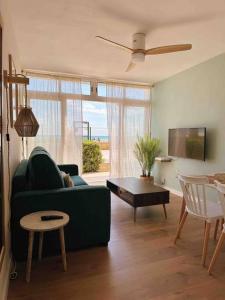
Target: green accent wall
[{"x": 193, "y": 98}]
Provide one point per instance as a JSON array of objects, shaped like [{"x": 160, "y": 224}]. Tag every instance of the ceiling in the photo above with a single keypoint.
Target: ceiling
[{"x": 59, "y": 35}]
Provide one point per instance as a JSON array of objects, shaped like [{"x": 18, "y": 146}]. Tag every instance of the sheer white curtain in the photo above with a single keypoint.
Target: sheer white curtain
[
  {"x": 57, "y": 106},
  {"x": 128, "y": 113}
]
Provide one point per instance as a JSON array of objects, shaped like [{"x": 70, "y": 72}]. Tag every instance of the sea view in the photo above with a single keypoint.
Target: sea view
[{"x": 102, "y": 138}]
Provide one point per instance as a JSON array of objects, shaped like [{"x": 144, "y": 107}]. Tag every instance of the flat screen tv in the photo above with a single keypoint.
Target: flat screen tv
[{"x": 187, "y": 143}]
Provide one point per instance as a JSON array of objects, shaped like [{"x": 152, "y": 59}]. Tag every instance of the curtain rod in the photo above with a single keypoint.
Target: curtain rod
[{"x": 76, "y": 76}]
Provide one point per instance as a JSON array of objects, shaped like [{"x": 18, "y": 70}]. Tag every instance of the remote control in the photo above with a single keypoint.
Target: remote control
[{"x": 51, "y": 217}]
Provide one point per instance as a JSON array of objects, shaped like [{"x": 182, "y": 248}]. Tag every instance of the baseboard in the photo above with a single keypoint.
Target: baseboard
[{"x": 5, "y": 285}]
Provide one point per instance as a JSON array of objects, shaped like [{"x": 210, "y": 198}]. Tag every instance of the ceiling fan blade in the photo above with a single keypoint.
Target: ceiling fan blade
[
  {"x": 168, "y": 49},
  {"x": 130, "y": 66},
  {"x": 114, "y": 43}
]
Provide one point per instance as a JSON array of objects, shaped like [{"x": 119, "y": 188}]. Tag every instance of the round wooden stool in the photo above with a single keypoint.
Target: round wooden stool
[{"x": 33, "y": 223}]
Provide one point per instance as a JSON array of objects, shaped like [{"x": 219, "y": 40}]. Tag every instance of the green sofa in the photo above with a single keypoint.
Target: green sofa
[{"x": 38, "y": 185}]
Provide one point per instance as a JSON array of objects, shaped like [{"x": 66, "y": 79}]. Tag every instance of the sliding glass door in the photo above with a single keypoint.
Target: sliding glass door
[
  {"x": 50, "y": 132},
  {"x": 57, "y": 106},
  {"x": 95, "y": 129},
  {"x": 72, "y": 110}
]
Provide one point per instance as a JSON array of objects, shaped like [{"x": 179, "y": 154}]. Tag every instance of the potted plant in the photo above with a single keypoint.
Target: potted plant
[{"x": 146, "y": 149}]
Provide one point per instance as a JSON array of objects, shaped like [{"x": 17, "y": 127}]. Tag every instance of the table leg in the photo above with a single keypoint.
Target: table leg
[
  {"x": 63, "y": 251},
  {"x": 29, "y": 256},
  {"x": 135, "y": 212},
  {"x": 182, "y": 209},
  {"x": 222, "y": 222},
  {"x": 165, "y": 213},
  {"x": 41, "y": 236},
  {"x": 216, "y": 229}
]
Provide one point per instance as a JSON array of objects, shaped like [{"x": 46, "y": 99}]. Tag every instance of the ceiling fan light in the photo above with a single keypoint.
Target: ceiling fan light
[
  {"x": 139, "y": 41},
  {"x": 138, "y": 57},
  {"x": 26, "y": 124}
]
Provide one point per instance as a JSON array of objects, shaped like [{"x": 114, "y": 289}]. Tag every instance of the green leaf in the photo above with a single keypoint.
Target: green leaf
[
  {"x": 92, "y": 156},
  {"x": 146, "y": 149}
]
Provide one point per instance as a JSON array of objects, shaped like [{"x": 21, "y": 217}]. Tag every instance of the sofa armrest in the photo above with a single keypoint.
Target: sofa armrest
[
  {"x": 70, "y": 169},
  {"x": 19, "y": 180}
]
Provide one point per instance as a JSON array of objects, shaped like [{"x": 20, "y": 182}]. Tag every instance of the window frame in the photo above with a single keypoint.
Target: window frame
[{"x": 42, "y": 95}]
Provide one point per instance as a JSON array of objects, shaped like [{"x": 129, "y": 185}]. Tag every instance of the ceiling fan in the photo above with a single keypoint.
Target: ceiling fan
[{"x": 138, "y": 51}]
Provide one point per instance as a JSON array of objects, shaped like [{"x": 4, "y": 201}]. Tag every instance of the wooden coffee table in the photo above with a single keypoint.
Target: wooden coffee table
[{"x": 138, "y": 192}]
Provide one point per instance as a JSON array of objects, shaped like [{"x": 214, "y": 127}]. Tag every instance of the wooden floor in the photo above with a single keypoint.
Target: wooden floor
[{"x": 141, "y": 262}]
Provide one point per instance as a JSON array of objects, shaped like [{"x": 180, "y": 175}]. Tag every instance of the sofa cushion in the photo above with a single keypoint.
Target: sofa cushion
[
  {"x": 43, "y": 172},
  {"x": 78, "y": 180}
]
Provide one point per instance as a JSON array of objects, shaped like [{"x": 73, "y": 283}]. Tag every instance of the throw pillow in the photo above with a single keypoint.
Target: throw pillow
[
  {"x": 68, "y": 181},
  {"x": 63, "y": 174}
]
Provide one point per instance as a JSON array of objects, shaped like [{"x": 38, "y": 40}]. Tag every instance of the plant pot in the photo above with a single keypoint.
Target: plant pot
[{"x": 150, "y": 178}]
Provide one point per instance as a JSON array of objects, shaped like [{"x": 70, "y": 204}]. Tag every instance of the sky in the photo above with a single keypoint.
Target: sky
[{"x": 96, "y": 114}]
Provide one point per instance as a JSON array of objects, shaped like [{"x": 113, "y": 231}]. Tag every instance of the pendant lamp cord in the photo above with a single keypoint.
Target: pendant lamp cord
[
  {"x": 25, "y": 87},
  {"x": 23, "y": 154}
]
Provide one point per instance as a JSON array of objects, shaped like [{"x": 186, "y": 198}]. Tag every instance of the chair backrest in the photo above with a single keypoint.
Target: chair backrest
[
  {"x": 221, "y": 193},
  {"x": 193, "y": 188}
]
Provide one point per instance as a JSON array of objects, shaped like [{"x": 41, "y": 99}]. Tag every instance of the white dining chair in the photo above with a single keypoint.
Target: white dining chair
[
  {"x": 221, "y": 194},
  {"x": 199, "y": 206}
]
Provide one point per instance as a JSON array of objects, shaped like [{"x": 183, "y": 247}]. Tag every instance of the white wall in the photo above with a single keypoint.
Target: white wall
[
  {"x": 193, "y": 98},
  {"x": 9, "y": 47}
]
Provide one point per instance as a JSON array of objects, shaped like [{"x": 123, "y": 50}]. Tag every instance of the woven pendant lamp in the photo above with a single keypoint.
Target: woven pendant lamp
[{"x": 26, "y": 124}]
